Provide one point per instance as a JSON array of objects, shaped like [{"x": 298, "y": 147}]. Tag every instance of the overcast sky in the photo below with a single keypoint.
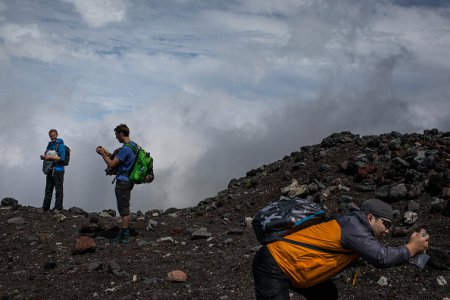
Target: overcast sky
[{"x": 211, "y": 88}]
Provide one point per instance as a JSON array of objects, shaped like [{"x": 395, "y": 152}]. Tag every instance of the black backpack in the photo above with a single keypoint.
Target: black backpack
[
  {"x": 66, "y": 160},
  {"x": 285, "y": 216}
]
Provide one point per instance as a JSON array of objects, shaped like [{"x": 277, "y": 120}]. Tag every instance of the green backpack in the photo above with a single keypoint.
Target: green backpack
[{"x": 142, "y": 166}]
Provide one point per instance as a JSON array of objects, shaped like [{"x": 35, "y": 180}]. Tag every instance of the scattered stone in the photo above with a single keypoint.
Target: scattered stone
[
  {"x": 166, "y": 239},
  {"x": 398, "y": 192},
  {"x": 441, "y": 280},
  {"x": 177, "y": 276},
  {"x": 151, "y": 224},
  {"x": 16, "y": 221},
  {"x": 84, "y": 244},
  {"x": 248, "y": 222},
  {"x": 93, "y": 266},
  {"x": 438, "y": 205},
  {"x": 113, "y": 266},
  {"x": 383, "y": 281},
  {"x": 343, "y": 188},
  {"x": 410, "y": 217},
  {"x": 78, "y": 211},
  {"x": 171, "y": 210},
  {"x": 104, "y": 214},
  {"x": 201, "y": 233},
  {"x": 382, "y": 193},
  {"x": 366, "y": 187},
  {"x": 228, "y": 241},
  {"x": 413, "y": 205},
  {"x": 446, "y": 192},
  {"x": 400, "y": 162},
  {"x": 59, "y": 217},
  {"x": 324, "y": 167},
  {"x": 9, "y": 202},
  {"x": 110, "y": 212},
  {"x": 295, "y": 189}
]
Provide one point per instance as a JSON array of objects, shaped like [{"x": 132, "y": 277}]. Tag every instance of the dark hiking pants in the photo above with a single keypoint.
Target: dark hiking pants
[
  {"x": 54, "y": 180},
  {"x": 272, "y": 283},
  {"x": 123, "y": 195}
]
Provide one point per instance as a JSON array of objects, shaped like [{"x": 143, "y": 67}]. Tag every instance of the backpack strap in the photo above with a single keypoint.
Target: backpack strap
[
  {"x": 60, "y": 163},
  {"x": 312, "y": 247},
  {"x": 129, "y": 145},
  {"x": 135, "y": 151}
]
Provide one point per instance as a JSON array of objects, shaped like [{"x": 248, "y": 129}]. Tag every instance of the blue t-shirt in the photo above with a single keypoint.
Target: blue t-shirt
[
  {"x": 126, "y": 156},
  {"x": 61, "y": 153}
]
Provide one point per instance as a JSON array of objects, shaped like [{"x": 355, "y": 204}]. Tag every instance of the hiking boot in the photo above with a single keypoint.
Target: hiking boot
[{"x": 122, "y": 237}]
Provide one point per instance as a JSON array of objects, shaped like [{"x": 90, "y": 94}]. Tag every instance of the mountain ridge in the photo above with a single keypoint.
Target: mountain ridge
[{"x": 213, "y": 243}]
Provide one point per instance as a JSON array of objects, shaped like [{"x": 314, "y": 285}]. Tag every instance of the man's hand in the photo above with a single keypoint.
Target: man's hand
[
  {"x": 111, "y": 163},
  {"x": 418, "y": 242},
  {"x": 47, "y": 158},
  {"x": 100, "y": 150}
]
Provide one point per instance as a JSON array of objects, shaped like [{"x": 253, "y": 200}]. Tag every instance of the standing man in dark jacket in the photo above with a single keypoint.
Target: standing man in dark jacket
[
  {"x": 280, "y": 266},
  {"x": 123, "y": 161},
  {"x": 54, "y": 156}
]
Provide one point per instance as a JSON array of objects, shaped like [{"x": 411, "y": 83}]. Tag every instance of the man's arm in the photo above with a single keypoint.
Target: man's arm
[
  {"x": 359, "y": 238},
  {"x": 111, "y": 163},
  {"x": 53, "y": 158},
  {"x": 60, "y": 154}
]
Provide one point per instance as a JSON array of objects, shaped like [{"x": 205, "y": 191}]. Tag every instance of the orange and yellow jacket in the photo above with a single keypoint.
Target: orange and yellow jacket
[{"x": 335, "y": 245}]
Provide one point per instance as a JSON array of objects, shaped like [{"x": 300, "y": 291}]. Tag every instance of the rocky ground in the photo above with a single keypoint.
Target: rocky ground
[{"x": 212, "y": 243}]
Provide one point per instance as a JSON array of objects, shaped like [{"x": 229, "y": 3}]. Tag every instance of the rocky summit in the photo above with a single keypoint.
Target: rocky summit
[{"x": 205, "y": 252}]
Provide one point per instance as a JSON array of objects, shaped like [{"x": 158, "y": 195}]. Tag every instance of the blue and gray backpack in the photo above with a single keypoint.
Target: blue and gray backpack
[{"x": 285, "y": 216}]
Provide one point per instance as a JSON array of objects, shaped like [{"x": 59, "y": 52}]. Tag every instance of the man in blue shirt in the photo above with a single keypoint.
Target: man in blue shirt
[
  {"x": 123, "y": 162},
  {"x": 54, "y": 156}
]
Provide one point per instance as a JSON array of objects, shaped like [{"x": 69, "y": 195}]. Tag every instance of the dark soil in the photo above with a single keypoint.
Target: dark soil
[{"x": 37, "y": 259}]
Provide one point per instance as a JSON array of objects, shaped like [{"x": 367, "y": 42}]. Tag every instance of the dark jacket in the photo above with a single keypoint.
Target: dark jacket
[{"x": 357, "y": 235}]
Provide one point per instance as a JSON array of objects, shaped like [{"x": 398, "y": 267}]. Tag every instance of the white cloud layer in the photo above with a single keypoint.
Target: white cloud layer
[
  {"x": 212, "y": 89},
  {"x": 98, "y": 13}
]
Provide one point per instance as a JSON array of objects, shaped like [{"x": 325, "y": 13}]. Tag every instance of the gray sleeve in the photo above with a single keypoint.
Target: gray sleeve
[{"x": 360, "y": 239}]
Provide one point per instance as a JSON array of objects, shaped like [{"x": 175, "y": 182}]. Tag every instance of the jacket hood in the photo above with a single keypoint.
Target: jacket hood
[{"x": 362, "y": 218}]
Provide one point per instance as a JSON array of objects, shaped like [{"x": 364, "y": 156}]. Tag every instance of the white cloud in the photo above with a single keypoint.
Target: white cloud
[
  {"x": 2, "y": 7},
  {"x": 98, "y": 13},
  {"x": 211, "y": 89},
  {"x": 27, "y": 41}
]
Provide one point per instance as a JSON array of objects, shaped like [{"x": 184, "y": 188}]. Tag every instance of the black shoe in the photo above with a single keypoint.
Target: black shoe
[{"x": 122, "y": 237}]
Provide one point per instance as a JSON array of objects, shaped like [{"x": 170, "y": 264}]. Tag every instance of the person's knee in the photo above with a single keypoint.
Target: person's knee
[{"x": 123, "y": 206}]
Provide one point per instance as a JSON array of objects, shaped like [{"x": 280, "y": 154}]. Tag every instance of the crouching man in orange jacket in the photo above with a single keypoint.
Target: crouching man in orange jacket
[{"x": 314, "y": 255}]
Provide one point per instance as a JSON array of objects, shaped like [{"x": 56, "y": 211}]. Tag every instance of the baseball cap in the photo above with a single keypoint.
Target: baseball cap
[{"x": 378, "y": 208}]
